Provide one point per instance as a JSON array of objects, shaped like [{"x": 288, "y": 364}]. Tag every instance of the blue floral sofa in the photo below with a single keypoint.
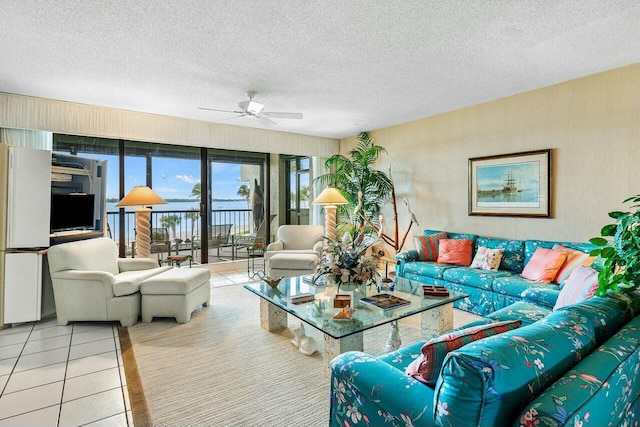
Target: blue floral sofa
[
  {"x": 576, "y": 366},
  {"x": 488, "y": 290}
]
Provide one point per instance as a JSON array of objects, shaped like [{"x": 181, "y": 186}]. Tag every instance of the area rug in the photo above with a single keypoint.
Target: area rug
[{"x": 222, "y": 368}]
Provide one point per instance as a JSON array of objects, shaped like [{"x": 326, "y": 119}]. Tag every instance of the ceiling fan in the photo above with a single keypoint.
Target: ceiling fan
[{"x": 255, "y": 110}]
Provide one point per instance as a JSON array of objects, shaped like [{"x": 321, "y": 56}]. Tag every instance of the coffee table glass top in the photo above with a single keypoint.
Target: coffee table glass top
[{"x": 364, "y": 317}]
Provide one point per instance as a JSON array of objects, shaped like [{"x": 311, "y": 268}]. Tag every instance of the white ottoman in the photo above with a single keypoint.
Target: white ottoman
[
  {"x": 292, "y": 264},
  {"x": 175, "y": 293}
]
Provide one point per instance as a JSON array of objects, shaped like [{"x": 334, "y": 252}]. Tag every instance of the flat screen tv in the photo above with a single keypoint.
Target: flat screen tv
[{"x": 72, "y": 212}]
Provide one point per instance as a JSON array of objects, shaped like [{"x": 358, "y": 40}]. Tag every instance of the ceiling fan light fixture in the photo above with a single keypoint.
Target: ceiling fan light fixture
[{"x": 255, "y": 107}]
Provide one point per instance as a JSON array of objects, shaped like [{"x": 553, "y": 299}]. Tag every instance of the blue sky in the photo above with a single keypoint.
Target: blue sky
[{"x": 172, "y": 178}]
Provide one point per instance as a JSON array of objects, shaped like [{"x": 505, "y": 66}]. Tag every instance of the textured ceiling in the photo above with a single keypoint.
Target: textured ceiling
[{"x": 348, "y": 66}]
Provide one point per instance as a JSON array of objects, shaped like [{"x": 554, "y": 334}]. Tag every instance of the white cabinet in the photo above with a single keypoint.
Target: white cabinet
[
  {"x": 28, "y": 198},
  {"x": 22, "y": 287}
]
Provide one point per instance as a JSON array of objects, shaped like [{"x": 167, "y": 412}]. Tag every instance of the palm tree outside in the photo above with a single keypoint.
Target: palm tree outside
[
  {"x": 245, "y": 193},
  {"x": 170, "y": 221}
]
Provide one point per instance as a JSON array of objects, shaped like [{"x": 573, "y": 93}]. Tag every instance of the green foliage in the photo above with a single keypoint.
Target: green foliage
[
  {"x": 622, "y": 256},
  {"x": 195, "y": 191},
  {"x": 170, "y": 221},
  {"x": 353, "y": 174}
]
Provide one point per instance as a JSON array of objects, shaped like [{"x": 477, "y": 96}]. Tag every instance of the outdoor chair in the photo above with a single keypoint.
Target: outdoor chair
[
  {"x": 219, "y": 236},
  {"x": 160, "y": 241}
]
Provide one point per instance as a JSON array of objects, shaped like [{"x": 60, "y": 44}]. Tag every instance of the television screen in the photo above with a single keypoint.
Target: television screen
[{"x": 72, "y": 211}]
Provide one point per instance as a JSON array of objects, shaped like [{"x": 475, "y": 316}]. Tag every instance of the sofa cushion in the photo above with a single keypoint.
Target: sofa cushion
[
  {"x": 427, "y": 246},
  {"x": 513, "y": 256},
  {"x": 490, "y": 381},
  {"x": 582, "y": 284},
  {"x": 607, "y": 378},
  {"x": 455, "y": 251},
  {"x": 482, "y": 279},
  {"x": 525, "y": 311},
  {"x": 426, "y": 367},
  {"x": 426, "y": 268},
  {"x": 128, "y": 282},
  {"x": 487, "y": 259},
  {"x": 514, "y": 285},
  {"x": 544, "y": 265},
  {"x": 543, "y": 295},
  {"x": 574, "y": 259}
]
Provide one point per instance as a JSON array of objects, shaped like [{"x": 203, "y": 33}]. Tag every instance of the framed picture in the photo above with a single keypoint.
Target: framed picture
[{"x": 515, "y": 184}]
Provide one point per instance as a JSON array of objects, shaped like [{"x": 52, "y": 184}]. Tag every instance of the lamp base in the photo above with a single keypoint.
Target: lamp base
[
  {"x": 143, "y": 232},
  {"x": 330, "y": 222}
]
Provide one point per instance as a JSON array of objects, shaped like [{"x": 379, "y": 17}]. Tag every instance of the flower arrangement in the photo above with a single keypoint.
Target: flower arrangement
[{"x": 346, "y": 262}]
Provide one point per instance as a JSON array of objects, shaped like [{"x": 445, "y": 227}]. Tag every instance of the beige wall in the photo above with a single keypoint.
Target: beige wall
[{"x": 592, "y": 126}]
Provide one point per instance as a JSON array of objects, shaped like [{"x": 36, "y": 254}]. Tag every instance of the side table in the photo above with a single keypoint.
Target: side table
[
  {"x": 176, "y": 260},
  {"x": 255, "y": 262}
]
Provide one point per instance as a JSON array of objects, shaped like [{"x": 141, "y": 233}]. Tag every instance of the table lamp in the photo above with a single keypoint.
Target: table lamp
[
  {"x": 142, "y": 196},
  {"x": 329, "y": 199}
]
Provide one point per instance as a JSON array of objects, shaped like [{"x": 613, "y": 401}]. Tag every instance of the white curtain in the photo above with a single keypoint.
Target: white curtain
[{"x": 27, "y": 138}]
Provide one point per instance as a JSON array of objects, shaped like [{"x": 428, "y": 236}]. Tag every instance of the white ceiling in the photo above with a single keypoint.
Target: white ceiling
[{"x": 347, "y": 65}]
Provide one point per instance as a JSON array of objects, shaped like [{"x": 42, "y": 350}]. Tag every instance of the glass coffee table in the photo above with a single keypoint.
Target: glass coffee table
[{"x": 347, "y": 335}]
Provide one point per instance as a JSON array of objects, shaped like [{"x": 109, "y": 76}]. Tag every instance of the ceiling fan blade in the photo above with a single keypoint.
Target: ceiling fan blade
[
  {"x": 265, "y": 121},
  {"x": 282, "y": 115},
  {"x": 220, "y": 111}
]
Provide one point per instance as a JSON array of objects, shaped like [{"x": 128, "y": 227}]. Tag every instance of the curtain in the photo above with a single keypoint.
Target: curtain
[{"x": 27, "y": 138}]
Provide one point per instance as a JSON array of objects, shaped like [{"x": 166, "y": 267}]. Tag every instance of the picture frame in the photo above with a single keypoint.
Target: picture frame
[{"x": 516, "y": 184}]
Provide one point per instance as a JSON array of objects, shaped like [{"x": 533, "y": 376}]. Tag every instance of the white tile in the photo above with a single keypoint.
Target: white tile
[
  {"x": 47, "y": 344},
  {"x": 54, "y": 331},
  {"x": 11, "y": 351},
  {"x": 92, "y": 408},
  {"x": 44, "y": 358},
  {"x": 119, "y": 420},
  {"x": 130, "y": 418},
  {"x": 3, "y": 381},
  {"x": 85, "y": 385},
  {"x": 46, "y": 323},
  {"x": 88, "y": 326},
  {"x": 36, "y": 377},
  {"x": 91, "y": 348},
  {"x": 23, "y": 327},
  {"x": 120, "y": 361},
  {"x": 223, "y": 281},
  {"x": 92, "y": 335},
  {"x": 24, "y": 401},
  {"x": 10, "y": 339},
  {"x": 47, "y": 417},
  {"x": 90, "y": 364},
  {"x": 6, "y": 365}
]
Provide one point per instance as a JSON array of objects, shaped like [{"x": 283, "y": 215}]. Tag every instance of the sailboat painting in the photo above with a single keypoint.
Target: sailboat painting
[{"x": 510, "y": 185}]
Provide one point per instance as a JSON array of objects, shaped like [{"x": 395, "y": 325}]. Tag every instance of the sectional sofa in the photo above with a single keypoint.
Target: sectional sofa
[
  {"x": 488, "y": 290},
  {"x": 576, "y": 366}
]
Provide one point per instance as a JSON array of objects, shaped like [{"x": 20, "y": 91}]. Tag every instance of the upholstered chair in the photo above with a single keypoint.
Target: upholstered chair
[
  {"x": 297, "y": 242},
  {"x": 90, "y": 282}
]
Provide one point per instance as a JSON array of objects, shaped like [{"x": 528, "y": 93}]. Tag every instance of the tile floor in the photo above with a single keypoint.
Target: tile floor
[{"x": 70, "y": 375}]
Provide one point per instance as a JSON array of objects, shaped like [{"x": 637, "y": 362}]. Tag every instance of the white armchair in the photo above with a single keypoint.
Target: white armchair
[
  {"x": 293, "y": 240},
  {"x": 90, "y": 282}
]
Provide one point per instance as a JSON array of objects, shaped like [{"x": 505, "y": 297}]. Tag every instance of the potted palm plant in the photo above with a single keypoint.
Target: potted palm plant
[{"x": 621, "y": 267}]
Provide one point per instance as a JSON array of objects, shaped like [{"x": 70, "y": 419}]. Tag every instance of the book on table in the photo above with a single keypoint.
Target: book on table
[
  {"x": 301, "y": 298},
  {"x": 385, "y": 301}
]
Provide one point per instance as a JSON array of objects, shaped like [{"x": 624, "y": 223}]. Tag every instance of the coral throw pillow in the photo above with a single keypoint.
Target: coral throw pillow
[
  {"x": 581, "y": 285},
  {"x": 455, "y": 251},
  {"x": 427, "y": 246},
  {"x": 426, "y": 368},
  {"x": 544, "y": 265},
  {"x": 487, "y": 259},
  {"x": 574, "y": 259}
]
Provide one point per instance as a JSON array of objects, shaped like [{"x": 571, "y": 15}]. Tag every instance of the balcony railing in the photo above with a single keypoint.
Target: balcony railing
[{"x": 182, "y": 225}]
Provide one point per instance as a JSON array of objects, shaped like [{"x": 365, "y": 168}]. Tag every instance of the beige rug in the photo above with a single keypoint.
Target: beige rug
[{"x": 223, "y": 369}]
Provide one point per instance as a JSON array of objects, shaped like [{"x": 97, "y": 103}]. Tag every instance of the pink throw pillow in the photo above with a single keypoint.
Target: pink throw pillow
[
  {"x": 581, "y": 285},
  {"x": 544, "y": 265},
  {"x": 455, "y": 251},
  {"x": 574, "y": 259}
]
